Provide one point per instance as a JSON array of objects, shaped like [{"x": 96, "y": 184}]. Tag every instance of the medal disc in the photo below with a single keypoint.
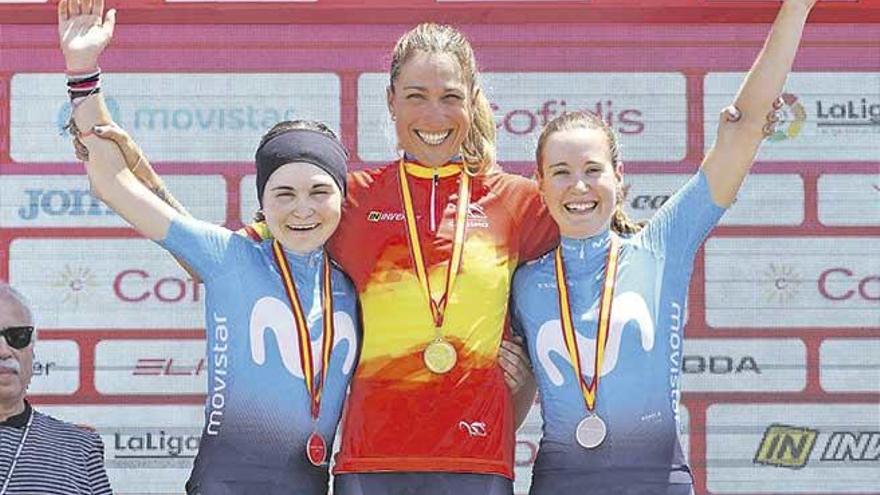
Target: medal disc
[
  {"x": 316, "y": 449},
  {"x": 591, "y": 432},
  {"x": 440, "y": 356}
]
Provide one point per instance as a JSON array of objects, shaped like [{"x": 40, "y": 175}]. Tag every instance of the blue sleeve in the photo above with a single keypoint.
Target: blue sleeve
[
  {"x": 205, "y": 247},
  {"x": 683, "y": 223},
  {"x": 517, "y": 288}
]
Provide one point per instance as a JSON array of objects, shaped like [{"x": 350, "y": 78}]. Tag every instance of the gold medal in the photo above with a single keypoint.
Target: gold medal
[{"x": 440, "y": 356}]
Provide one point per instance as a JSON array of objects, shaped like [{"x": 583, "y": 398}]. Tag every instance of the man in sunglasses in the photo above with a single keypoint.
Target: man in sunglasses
[{"x": 38, "y": 453}]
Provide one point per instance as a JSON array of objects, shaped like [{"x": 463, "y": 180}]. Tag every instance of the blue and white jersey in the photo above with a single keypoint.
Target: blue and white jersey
[
  {"x": 257, "y": 412},
  {"x": 639, "y": 386}
]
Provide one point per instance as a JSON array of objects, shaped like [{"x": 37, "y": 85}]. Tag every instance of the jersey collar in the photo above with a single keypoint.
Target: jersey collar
[
  {"x": 416, "y": 169},
  {"x": 589, "y": 251}
]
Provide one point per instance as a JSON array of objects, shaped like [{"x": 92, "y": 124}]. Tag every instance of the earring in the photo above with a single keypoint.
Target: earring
[{"x": 393, "y": 118}]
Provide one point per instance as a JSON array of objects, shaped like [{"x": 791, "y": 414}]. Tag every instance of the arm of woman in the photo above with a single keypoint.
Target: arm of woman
[
  {"x": 84, "y": 32},
  {"x": 114, "y": 184},
  {"x": 742, "y": 125},
  {"x": 519, "y": 377}
]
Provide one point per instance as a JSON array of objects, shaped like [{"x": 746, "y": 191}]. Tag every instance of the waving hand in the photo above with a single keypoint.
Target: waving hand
[{"x": 84, "y": 32}]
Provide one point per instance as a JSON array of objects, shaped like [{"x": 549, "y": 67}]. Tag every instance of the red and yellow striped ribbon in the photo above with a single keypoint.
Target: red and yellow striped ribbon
[
  {"x": 589, "y": 390},
  {"x": 438, "y": 307},
  {"x": 306, "y": 358}
]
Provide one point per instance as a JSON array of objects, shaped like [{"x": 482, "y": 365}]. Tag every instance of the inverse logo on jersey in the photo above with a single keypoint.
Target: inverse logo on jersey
[{"x": 377, "y": 216}]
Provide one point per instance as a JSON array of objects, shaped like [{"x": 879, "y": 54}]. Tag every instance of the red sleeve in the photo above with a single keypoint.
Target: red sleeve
[
  {"x": 536, "y": 230},
  {"x": 342, "y": 246}
]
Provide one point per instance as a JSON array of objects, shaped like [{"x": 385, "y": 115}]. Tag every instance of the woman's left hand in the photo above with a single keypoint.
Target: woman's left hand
[{"x": 515, "y": 363}]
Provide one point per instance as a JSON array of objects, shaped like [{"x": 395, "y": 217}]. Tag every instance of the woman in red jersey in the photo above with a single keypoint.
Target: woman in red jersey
[{"x": 430, "y": 241}]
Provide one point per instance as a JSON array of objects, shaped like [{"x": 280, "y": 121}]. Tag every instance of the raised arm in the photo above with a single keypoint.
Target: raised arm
[
  {"x": 82, "y": 42},
  {"x": 84, "y": 32},
  {"x": 742, "y": 126}
]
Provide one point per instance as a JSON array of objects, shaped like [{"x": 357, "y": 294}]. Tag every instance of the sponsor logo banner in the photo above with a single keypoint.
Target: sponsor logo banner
[
  {"x": 183, "y": 117},
  {"x": 850, "y": 365},
  {"x": 104, "y": 284},
  {"x": 850, "y": 199},
  {"x": 761, "y": 193},
  {"x": 786, "y": 448},
  {"x": 684, "y": 430},
  {"x": 648, "y": 192},
  {"x": 147, "y": 449},
  {"x": 56, "y": 368},
  {"x": 648, "y": 111},
  {"x": 749, "y": 365},
  {"x": 248, "y": 204},
  {"x": 821, "y": 111},
  {"x": 792, "y": 282},
  {"x": 150, "y": 367},
  {"x": 528, "y": 439},
  {"x": 65, "y": 201}
]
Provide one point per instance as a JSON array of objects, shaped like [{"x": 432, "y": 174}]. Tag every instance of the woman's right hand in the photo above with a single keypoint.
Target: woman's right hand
[{"x": 84, "y": 32}]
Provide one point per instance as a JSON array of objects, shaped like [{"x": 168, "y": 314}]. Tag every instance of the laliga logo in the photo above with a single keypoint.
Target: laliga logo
[
  {"x": 628, "y": 306},
  {"x": 792, "y": 117},
  {"x": 272, "y": 315}
]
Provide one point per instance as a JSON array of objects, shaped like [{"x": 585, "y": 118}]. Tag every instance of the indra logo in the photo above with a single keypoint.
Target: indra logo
[
  {"x": 791, "y": 121},
  {"x": 786, "y": 446},
  {"x": 63, "y": 115},
  {"x": 782, "y": 283},
  {"x": 791, "y": 447}
]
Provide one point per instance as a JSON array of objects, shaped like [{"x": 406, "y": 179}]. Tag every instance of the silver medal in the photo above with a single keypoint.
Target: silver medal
[{"x": 591, "y": 432}]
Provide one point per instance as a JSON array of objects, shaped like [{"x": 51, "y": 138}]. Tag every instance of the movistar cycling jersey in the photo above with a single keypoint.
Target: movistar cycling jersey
[
  {"x": 639, "y": 386},
  {"x": 257, "y": 412}
]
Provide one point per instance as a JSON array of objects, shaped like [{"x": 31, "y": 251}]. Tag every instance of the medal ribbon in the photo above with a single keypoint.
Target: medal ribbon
[
  {"x": 302, "y": 328},
  {"x": 438, "y": 307},
  {"x": 588, "y": 389}
]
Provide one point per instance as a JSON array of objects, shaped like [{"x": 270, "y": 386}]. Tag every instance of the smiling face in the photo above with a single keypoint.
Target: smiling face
[
  {"x": 16, "y": 365},
  {"x": 430, "y": 102},
  {"x": 579, "y": 181},
  {"x": 302, "y": 205}
]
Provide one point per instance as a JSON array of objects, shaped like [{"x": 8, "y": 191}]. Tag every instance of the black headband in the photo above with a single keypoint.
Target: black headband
[{"x": 301, "y": 145}]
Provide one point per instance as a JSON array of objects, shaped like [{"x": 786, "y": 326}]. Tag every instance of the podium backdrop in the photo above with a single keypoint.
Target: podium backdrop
[{"x": 781, "y": 364}]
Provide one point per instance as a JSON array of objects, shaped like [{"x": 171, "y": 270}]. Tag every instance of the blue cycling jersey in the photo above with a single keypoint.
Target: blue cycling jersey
[
  {"x": 638, "y": 395},
  {"x": 257, "y": 412}
]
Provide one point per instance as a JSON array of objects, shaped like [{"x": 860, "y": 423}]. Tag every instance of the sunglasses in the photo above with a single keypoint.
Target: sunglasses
[{"x": 18, "y": 337}]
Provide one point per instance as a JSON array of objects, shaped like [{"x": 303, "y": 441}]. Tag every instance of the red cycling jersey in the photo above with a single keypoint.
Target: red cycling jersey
[{"x": 400, "y": 416}]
